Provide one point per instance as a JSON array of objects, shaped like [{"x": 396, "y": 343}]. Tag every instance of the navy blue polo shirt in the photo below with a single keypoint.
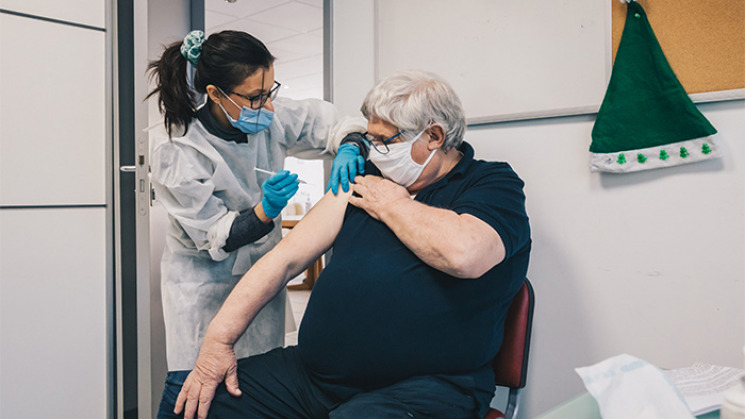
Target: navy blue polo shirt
[{"x": 378, "y": 314}]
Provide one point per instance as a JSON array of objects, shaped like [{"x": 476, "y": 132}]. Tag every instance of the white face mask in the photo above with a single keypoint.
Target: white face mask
[{"x": 397, "y": 164}]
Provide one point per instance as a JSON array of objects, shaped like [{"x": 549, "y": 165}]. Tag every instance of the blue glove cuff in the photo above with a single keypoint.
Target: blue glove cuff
[
  {"x": 269, "y": 210},
  {"x": 356, "y": 139},
  {"x": 349, "y": 146}
]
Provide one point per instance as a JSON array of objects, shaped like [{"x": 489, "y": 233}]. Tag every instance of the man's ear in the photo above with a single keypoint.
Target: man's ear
[
  {"x": 436, "y": 137},
  {"x": 214, "y": 93}
]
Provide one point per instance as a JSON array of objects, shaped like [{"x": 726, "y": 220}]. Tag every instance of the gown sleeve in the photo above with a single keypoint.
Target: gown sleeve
[
  {"x": 312, "y": 128},
  {"x": 182, "y": 180}
]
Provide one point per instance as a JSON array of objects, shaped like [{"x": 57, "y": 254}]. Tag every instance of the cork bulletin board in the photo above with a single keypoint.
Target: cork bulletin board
[{"x": 703, "y": 40}]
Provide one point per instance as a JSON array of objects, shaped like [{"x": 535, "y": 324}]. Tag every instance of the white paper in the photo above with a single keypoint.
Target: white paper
[
  {"x": 703, "y": 385},
  {"x": 626, "y": 387}
]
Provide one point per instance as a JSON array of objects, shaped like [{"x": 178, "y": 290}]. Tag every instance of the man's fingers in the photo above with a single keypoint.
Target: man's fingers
[
  {"x": 204, "y": 408},
  {"x": 355, "y": 201},
  {"x": 181, "y": 398},
  {"x": 359, "y": 187},
  {"x": 365, "y": 180},
  {"x": 192, "y": 403},
  {"x": 231, "y": 382},
  {"x": 206, "y": 395}
]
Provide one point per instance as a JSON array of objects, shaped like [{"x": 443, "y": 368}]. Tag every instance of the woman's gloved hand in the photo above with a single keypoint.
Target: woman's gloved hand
[
  {"x": 277, "y": 190},
  {"x": 347, "y": 164}
]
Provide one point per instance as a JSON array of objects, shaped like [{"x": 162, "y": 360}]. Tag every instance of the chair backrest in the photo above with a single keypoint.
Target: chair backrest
[{"x": 511, "y": 363}]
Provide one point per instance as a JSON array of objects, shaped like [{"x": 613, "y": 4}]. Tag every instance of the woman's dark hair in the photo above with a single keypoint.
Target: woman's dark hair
[{"x": 227, "y": 59}]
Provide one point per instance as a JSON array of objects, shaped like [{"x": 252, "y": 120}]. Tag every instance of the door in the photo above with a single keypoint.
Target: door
[{"x": 145, "y": 27}]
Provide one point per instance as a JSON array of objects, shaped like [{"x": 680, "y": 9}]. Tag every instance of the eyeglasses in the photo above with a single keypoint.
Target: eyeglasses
[
  {"x": 258, "y": 101},
  {"x": 381, "y": 146}
]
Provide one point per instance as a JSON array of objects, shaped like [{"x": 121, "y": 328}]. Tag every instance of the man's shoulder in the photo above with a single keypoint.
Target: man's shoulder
[
  {"x": 492, "y": 165},
  {"x": 479, "y": 167},
  {"x": 491, "y": 170}
]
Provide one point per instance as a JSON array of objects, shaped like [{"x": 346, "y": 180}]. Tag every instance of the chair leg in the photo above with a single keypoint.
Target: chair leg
[
  {"x": 512, "y": 403},
  {"x": 310, "y": 277}
]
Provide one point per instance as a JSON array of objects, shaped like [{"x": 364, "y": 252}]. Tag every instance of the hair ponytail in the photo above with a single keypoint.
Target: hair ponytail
[{"x": 175, "y": 99}]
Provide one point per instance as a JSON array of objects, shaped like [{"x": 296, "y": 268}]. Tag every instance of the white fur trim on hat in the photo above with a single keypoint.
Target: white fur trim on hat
[{"x": 653, "y": 157}]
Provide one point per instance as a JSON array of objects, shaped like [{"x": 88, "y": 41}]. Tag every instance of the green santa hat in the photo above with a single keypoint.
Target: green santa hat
[{"x": 646, "y": 120}]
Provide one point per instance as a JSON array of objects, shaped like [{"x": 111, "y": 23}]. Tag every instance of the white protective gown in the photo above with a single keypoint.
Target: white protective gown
[{"x": 203, "y": 182}]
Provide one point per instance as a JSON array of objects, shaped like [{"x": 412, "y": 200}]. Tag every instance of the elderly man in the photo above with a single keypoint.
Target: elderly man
[{"x": 409, "y": 312}]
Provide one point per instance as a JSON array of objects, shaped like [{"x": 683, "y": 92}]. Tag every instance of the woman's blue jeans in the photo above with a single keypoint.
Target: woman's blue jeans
[{"x": 174, "y": 382}]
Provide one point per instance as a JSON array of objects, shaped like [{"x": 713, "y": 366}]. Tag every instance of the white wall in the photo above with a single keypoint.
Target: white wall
[
  {"x": 648, "y": 263},
  {"x": 56, "y": 242},
  {"x": 353, "y": 53}
]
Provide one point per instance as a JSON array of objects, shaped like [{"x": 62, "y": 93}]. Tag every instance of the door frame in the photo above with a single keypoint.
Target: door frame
[{"x": 140, "y": 367}]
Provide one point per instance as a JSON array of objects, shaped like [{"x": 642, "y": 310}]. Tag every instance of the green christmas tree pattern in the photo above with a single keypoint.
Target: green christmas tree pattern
[{"x": 641, "y": 158}]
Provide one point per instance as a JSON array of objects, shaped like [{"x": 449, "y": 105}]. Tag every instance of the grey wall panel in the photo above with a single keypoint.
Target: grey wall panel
[
  {"x": 85, "y": 12},
  {"x": 52, "y": 113},
  {"x": 53, "y": 313}
]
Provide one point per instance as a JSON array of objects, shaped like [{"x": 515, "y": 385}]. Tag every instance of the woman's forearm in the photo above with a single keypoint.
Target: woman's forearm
[{"x": 248, "y": 227}]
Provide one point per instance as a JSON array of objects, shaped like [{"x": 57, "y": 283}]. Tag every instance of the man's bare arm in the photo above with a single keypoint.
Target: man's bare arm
[{"x": 308, "y": 240}]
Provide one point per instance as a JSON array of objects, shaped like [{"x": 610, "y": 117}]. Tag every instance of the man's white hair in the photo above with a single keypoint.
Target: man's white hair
[{"x": 412, "y": 100}]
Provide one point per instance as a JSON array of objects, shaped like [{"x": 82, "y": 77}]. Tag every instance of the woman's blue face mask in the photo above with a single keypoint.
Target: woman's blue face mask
[{"x": 250, "y": 121}]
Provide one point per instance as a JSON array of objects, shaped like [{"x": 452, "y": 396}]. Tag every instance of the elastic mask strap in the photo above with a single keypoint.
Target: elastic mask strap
[
  {"x": 413, "y": 140},
  {"x": 226, "y": 95},
  {"x": 432, "y": 154},
  {"x": 426, "y": 162},
  {"x": 226, "y": 113}
]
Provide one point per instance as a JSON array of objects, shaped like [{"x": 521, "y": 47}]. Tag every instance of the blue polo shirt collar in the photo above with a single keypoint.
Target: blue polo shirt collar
[
  {"x": 459, "y": 169},
  {"x": 464, "y": 162}
]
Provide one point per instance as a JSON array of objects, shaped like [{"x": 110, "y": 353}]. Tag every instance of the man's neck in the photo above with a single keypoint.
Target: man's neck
[{"x": 445, "y": 161}]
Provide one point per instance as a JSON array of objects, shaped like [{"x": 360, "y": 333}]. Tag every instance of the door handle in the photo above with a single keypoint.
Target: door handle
[{"x": 144, "y": 199}]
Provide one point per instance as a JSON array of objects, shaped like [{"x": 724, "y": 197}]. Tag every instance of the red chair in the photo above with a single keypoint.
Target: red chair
[{"x": 511, "y": 363}]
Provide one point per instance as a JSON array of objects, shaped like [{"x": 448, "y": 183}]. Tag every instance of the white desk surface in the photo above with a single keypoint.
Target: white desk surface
[{"x": 585, "y": 407}]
